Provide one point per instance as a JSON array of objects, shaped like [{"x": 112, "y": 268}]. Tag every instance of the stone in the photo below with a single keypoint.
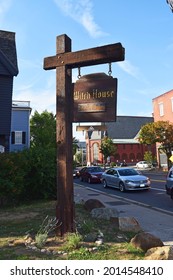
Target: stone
[
  {"x": 99, "y": 242},
  {"x": 90, "y": 237},
  {"x": 145, "y": 241},
  {"x": 160, "y": 253},
  {"x": 104, "y": 213},
  {"x": 90, "y": 204},
  {"x": 115, "y": 222},
  {"x": 19, "y": 242},
  {"x": 129, "y": 224}
]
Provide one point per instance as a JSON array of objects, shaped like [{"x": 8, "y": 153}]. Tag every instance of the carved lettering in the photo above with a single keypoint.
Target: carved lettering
[{"x": 95, "y": 94}]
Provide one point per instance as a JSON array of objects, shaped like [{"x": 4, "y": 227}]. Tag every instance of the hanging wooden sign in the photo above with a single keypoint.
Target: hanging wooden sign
[{"x": 95, "y": 98}]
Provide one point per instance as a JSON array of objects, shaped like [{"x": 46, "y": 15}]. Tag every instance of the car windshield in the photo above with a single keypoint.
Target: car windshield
[
  {"x": 128, "y": 172},
  {"x": 95, "y": 169}
]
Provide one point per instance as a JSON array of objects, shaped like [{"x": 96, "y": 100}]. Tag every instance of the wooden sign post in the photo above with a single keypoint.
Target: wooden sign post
[{"x": 63, "y": 62}]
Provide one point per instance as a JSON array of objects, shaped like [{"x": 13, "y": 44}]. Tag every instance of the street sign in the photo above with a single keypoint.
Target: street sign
[
  {"x": 95, "y": 98},
  {"x": 63, "y": 62}
]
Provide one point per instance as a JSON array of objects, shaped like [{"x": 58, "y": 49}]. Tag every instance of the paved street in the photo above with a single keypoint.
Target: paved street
[
  {"x": 151, "y": 220},
  {"x": 156, "y": 197}
]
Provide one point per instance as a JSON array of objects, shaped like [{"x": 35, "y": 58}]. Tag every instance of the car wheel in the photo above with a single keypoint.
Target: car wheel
[
  {"x": 81, "y": 179},
  {"x": 89, "y": 180},
  {"x": 105, "y": 184},
  {"x": 122, "y": 187}
]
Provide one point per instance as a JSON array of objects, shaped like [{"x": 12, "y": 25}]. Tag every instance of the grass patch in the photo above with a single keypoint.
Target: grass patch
[{"x": 18, "y": 223}]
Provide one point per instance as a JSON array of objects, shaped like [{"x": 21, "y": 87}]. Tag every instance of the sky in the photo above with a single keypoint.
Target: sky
[{"x": 144, "y": 28}]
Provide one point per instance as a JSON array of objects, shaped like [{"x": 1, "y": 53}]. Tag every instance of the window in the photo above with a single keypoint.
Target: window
[
  {"x": 96, "y": 151},
  {"x": 161, "y": 109},
  {"x": 18, "y": 137},
  {"x": 110, "y": 172},
  {"x": 115, "y": 173}
]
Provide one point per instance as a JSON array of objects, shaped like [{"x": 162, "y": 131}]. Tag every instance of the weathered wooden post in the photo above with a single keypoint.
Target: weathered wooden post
[
  {"x": 64, "y": 118},
  {"x": 63, "y": 62}
]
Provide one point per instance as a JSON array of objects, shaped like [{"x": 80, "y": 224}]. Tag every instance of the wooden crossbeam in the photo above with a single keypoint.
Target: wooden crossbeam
[{"x": 88, "y": 57}]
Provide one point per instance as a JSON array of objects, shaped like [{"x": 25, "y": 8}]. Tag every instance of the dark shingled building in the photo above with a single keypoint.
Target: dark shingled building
[
  {"x": 126, "y": 127},
  {"x": 8, "y": 69}
]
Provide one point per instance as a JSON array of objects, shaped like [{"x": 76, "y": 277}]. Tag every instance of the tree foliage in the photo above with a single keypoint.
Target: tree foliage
[
  {"x": 75, "y": 145},
  {"x": 158, "y": 132},
  {"x": 43, "y": 129},
  {"x": 148, "y": 156},
  {"x": 107, "y": 147},
  {"x": 32, "y": 174}
]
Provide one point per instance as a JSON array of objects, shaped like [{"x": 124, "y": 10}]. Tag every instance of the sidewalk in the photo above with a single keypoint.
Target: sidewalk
[{"x": 154, "y": 221}]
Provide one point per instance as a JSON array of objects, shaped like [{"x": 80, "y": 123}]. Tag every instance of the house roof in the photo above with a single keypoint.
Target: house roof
[
  {"x": 8, "y": 55},
  {"x": 126, "y": 127}
]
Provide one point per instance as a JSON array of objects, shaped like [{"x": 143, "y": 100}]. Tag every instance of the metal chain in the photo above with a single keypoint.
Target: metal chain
[
  {"x": 79, "y": 74},
  {"x": 110, "y": 69}
]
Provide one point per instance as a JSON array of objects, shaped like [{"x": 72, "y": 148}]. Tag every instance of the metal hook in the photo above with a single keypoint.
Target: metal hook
[
  {"x": 110, "y": 69},
  {"x": 79, "y": 74}
]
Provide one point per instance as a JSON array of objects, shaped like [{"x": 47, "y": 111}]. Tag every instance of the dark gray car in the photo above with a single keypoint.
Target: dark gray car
[
  {"x": 169, "y": 183},
  {"x": 125, "y": 179}
]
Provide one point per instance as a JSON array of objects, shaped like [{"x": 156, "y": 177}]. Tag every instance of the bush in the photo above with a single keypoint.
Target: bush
[
  {"x": 12, "y": 173},
  {"x": 40, "y": 179},
  {"x": 27, "y": 175}
]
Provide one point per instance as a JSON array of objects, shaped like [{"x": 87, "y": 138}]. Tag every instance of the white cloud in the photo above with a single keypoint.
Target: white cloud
[
  {"x": 41, "y": 100},
  {"x": 28, "y": 64},
  {"x": 82, "y": 12},
  {"x": 4, "y": 7},
  {"x": 133, "y": 71},
  {"x": 41, "y": 97},
  {"x": 129, "y": 68}
]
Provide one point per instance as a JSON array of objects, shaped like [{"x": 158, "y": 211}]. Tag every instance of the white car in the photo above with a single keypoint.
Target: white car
[{"x": 143, "y": 164}]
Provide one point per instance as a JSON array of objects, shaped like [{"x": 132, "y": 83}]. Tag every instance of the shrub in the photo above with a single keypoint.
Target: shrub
[
  {"x": 73, "y": 240},
  {"x": 48, "y": 225},
  {"x": 12, "y": 173},
  {"x": 27, "y": 175},
  {"x": 40, "y": 179}
]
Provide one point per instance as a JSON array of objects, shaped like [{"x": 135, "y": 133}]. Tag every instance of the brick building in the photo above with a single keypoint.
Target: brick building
[
  {"x": 124, "y": 133},
  {"x": 163, "y": 107},
  {"x": 163, "y": 111}
]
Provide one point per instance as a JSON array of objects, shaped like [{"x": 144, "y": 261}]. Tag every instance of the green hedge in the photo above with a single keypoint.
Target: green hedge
[{"x": 27, "y": 175}]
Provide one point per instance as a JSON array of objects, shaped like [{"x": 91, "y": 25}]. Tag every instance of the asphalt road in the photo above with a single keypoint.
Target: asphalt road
[{"x": 156, "y": 197}]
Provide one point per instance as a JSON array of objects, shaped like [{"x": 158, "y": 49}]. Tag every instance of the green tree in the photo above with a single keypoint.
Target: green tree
[
  {"x": 107, "y": 148},
  {"x": 41, "y": 157},
  {"x": 148, "y": 156},
  {"x": 75, "y": 145},
  {"x": 43, "y": 129},
  {"x": 158, "y": 132}
]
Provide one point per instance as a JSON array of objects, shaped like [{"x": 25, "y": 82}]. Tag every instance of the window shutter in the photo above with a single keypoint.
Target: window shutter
[
  {"x": 12, "y": 137},
  {"x": 23, "y": 137}
]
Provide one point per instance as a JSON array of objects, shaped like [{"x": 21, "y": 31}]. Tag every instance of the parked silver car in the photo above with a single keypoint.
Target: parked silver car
[
  {"x": 125, "y": 179},
  {"x": 169, "y": 183}
]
